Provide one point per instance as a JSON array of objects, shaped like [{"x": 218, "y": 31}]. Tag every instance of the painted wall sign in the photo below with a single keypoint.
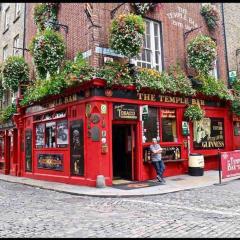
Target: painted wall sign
[
  {"x": 50, "y": 161},
  {"x": 125, "y": 111},
  {"x": 208, "y": 133},
  {"x": 230, "y": 164},
  {"x": 77, "y": 147},
  {"x": 169, "y": 99},
  {"x": 180, "y": 18},
  {"x": 56, "y": 102}
]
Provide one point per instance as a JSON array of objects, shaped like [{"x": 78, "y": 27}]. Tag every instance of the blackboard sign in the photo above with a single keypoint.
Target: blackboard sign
[
  {"x": 50, "y": 161},
  {"x": 209, "y": 133},
  {"x": 125, "y": 112},
  {"x": 28, "y": 150},
  {"x": 77, "y": 147}
]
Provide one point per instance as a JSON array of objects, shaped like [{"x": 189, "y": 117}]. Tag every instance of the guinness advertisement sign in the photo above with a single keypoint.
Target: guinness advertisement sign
[{"x": 125, "y": 112}]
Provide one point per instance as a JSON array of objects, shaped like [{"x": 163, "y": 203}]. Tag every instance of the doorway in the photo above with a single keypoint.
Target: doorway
[{"x": 123, "y": 136}]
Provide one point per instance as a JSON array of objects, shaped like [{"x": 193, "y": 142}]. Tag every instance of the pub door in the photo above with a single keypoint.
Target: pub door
[{"x": 123, "y": 137}]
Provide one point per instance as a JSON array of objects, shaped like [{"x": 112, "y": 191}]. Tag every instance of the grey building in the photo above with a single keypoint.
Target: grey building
[
  {"x": 12, "y": 17},
  {"x": 232, "y": 34}
]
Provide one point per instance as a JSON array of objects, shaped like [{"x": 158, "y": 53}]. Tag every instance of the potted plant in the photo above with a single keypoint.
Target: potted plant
[
  {"x": 202, "y": 54},
  {"x": 211, "y": 15},
  {"x": 143, "y": 8},
  {"x": 194, "y": 113},
  {"x": 126, "y": 35}
]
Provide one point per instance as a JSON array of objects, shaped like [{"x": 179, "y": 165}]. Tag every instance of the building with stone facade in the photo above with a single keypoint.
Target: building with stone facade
[
  {"x": 12, "y": 27},
  {"x": 232, "y": 30}
]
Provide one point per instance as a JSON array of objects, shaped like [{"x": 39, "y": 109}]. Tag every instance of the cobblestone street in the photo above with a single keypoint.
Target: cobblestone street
[{"x": 204, "y": 212}]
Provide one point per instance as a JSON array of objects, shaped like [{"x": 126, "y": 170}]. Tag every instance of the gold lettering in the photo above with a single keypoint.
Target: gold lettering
[{"x": 140, "y": 96}]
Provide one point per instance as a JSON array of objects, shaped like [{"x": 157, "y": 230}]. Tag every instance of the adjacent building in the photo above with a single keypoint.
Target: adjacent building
[{"x": 12, "y": 29}]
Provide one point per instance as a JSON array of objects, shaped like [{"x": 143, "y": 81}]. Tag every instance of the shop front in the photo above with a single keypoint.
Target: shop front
[
  {"x": 92, "y": 130},
  {"x": 8, "y": 145}
]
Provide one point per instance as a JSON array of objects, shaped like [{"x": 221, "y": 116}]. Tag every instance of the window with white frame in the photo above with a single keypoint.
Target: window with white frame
[
  {"x": 6, "y": 19},
  {"x": 17, "y": 9},
  {"x": 150, "y": 57},
  {"x": 214, "y": 71},
  {"x": 5, "y": 52},
  {"x": 16, "y": 45}
]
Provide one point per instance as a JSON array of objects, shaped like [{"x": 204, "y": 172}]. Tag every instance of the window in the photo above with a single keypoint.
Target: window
[
  {"x": 151, "y": 53},
  {"x": 17, "y": 9},
  {"x": 5, "y": 52},
  {"x": 6, "y": 19},
  {"x": 16, "y": 45},
  {"x": 169, "y": 132},
  {"x": 51, "y": 134},
  {"x": 214, "y": 72},
  {"x": 151, "y": 125}
]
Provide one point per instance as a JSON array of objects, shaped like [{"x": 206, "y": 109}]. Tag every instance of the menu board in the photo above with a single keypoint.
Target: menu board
[
  {"x": 40, "y": 132},
  {"x": 209, "y": 133}
]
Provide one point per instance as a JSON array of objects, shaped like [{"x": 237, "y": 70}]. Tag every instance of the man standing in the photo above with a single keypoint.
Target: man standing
[{"x": 156, "y": 158}]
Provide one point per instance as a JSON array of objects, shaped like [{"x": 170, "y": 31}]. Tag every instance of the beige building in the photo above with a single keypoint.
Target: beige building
[
  {"x": 232, "y": 32},
  {"x": 12, "y": 28}
]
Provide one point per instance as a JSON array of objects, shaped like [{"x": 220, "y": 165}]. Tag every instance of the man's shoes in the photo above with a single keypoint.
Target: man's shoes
[{"x": 161, "y": 180}]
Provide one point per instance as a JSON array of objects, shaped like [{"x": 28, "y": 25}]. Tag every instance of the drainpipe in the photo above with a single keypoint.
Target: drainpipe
[{"x": 225, "y": 43}]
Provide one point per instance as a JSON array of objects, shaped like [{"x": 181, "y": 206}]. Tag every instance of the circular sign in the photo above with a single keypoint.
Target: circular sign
[{"x": 95, "y": 118}]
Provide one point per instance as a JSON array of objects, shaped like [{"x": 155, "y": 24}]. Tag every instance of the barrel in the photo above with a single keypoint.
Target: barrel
[{"x": 196, "y": 164}]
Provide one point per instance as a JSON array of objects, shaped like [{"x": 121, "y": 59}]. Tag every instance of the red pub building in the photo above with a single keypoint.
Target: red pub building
[{"x": 93, "y": 130}]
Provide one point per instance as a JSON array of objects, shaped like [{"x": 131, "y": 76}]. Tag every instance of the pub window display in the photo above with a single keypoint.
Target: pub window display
[
  {"x": 208, "y": 133},
  {"x": 150, "y": 125},
  {"x": 169, "y": 132},
  {"x": 52, "y": 134}
]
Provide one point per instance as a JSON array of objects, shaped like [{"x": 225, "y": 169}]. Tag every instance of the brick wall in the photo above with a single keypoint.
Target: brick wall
[{"x": 82, "y": 36}]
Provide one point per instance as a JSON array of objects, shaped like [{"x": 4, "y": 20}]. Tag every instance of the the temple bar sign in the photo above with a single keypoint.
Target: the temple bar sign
[
  {"x": 169, "y": 99},
  {"x": 125, "y": 112}
]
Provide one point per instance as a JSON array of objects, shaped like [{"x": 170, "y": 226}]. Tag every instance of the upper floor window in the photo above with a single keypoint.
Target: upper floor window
[
  {"x": 6, "y": 19},
  {"x": 17, "y": 9},
  {"x": 214, "y": 72},
  {"x": 16, "y": 45},
  {"x": 5, "y": 52},
  {"x": 150, "y": 57}
]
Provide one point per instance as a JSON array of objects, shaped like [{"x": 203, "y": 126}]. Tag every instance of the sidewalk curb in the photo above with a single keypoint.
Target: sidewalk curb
[{"x": 108, "y": 195}]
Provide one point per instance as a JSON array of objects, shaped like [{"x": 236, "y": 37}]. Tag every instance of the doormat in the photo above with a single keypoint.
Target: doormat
[{"x": 136, "y": 185}]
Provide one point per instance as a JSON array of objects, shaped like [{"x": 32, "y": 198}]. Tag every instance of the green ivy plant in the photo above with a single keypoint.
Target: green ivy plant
[
  {"x": 15, "y": 71},
  {"x": 126, "y": 34},
  {"x": 214, "y": 87},
  {"x": 45, "y": 15},
  {"x": 201, "y": 54},
  {"x": 194, "y": 113},
  {"x": 115, "y": 74},
  {"x": 47, "y": 49},
  {"x": 236, "y": 97},
  {"x": 211, "y": 15},
  {"x": 42, "y": 88},
  {"x": 7, "y": 113}
]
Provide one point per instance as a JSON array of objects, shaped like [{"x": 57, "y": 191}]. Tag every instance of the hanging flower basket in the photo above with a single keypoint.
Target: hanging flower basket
[
  {"x": 15, "y": 71},
  {"x": 202, "y": 54},
  {"x": 194, "y": 113},
  {"x": 211, "y": 15},
  {"x": 47, "y": 49},
  {"x": 126, "y": 35},
  {"x": 45, "y": 15},
  {"x": 143, "y": 8}
]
